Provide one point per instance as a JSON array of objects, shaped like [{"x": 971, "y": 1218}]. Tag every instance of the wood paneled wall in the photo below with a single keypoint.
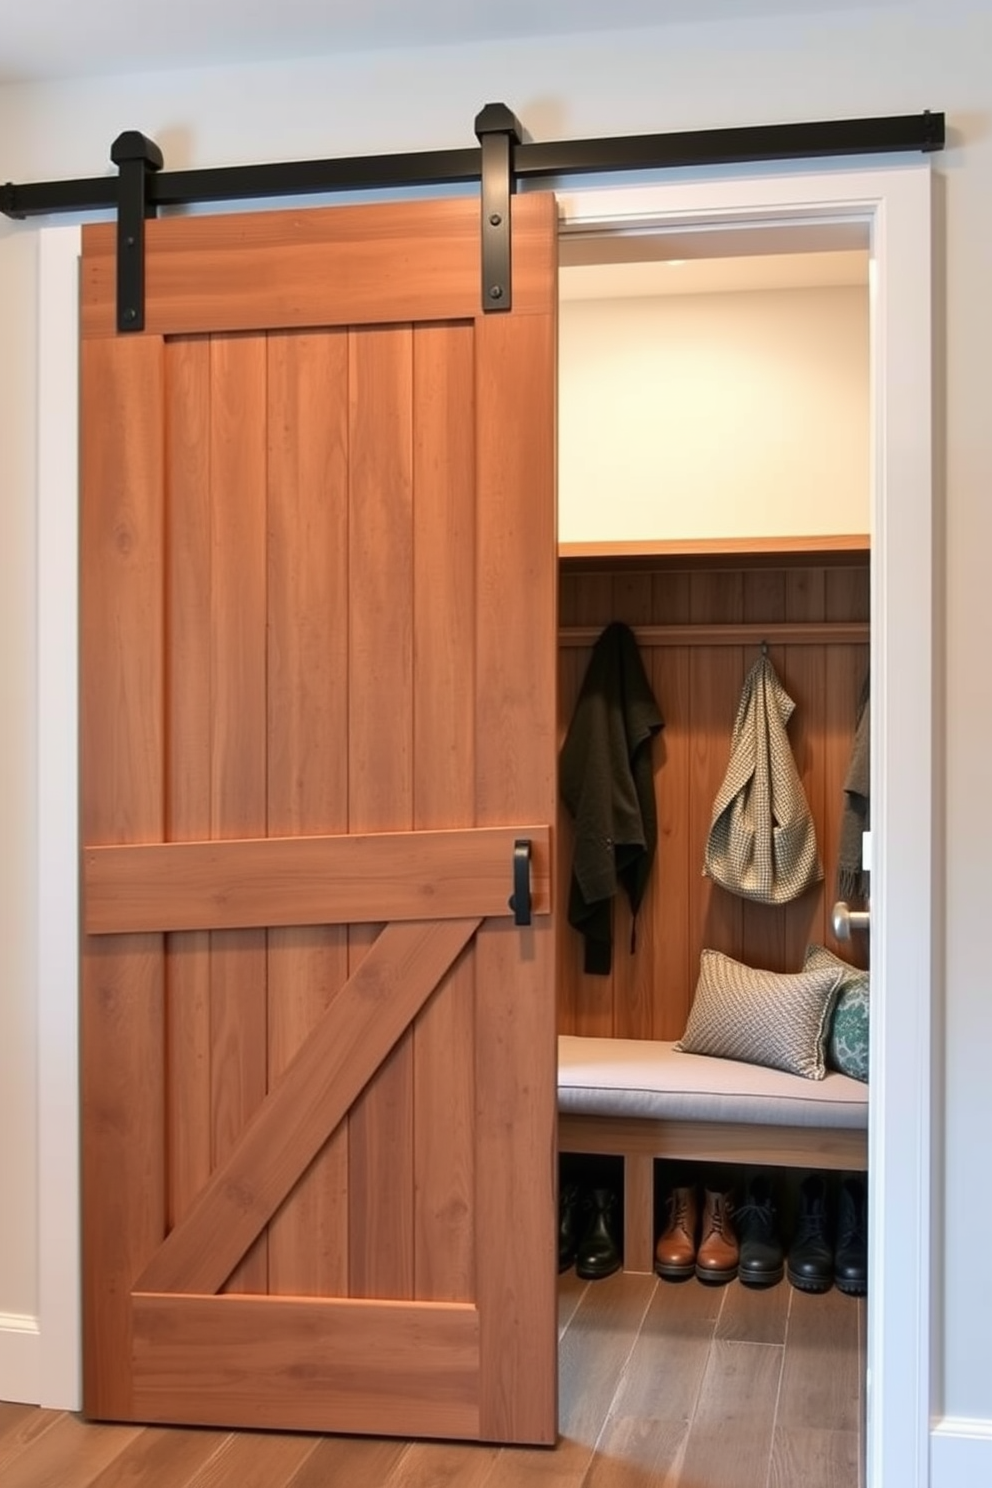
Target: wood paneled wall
[{"x": 698, "y": 687}]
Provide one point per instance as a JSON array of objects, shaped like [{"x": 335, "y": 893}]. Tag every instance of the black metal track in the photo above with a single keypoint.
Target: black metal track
[{"x": 877, "y": 136}]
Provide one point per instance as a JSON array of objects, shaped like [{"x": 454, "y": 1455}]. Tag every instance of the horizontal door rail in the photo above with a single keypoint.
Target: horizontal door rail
[
  {"x": 797, "y": 633},
  {"x": 240, "y": 883},
  {"x": 529, "y": 161},
  {"x": 307, "y": 1364}
]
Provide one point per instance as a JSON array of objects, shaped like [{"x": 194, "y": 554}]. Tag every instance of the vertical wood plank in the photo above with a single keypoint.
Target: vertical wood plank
[
  {"x": 444, "y": 794},
  {"x": 731, "y": 1434},
  {"x": 516, "y": 733},
  {"x": 593, "y": 995},
  {"x": 188, "y": 689},
  {"x": 238, "y": 1018},
  {"x": 675, "y": 962},
  {"x": 122, "y": 731},
  {"x": 307, "y": 726},
  {"x": 572, "y": 661},
  {"x": 380, "y": 765}
]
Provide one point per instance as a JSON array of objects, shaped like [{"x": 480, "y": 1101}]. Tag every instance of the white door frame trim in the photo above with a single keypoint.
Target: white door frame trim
[{"x": 893, "y": 200}]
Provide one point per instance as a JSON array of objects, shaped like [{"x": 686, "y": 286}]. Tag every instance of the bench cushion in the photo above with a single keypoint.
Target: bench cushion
[{"x": 648, "y": 1078}]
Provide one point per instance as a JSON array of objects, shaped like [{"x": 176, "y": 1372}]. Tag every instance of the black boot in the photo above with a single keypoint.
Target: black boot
[
  {"x": 811, "y": 1260},
  {"x": 598, "y": 1252},
  {"x": 851, "y": 1260},
  {"x": 569, "y": 1217},
  {"x": 762, "y": 1260}
]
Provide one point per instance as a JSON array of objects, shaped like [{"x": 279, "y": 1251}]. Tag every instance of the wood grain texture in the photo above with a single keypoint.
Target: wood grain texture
[
  {"x": 813, "y": 1457},
  {"x": 822, "y": 1374},
  {"x": 716, "y": 1141},
  {"x": 732, "y": 1428},
  {"x": 20, "y": 1427},
  {"x": 320, "y": 880},
  {"x": 121, "y": 741},
  {"x": 254, "y": 1461},
  {"x": 160, "y": 1458},
  {"x": 444, "y": 684},
  {"x": 380, "y": 771},
  {"x": 318, "y": 267},
  {"x": 69, "y": 1455},
  {"x": 188, "y": 674},
  {"x": 307, "y": 756},
  {"x": 317, "y": 1087},
  {"x": 516, "y": 737},
  {"x": 305, "y": 1364},
  {"x": 237, "y": 721}
]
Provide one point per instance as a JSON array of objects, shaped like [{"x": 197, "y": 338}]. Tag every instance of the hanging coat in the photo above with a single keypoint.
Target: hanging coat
[
  {"x": 607, "y": 783},
  {"x": 762, "y": 841}
]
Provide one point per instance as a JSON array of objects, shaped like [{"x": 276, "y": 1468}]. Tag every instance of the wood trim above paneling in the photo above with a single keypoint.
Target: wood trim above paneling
[
  {"x": 797, "y": 634},
  {"x": 720, "y": 552},
  {"x": 319, "y": 266},
  {"x": 270, "y": 881},
  {"x": 307, "y": 1364}
]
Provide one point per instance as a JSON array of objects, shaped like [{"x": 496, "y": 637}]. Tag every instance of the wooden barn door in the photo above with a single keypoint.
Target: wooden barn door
[{"x": 318, "y": 712}]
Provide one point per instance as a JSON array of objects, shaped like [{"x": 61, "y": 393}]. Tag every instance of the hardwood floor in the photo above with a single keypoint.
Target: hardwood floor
[{"x": 661, "y": 1386}]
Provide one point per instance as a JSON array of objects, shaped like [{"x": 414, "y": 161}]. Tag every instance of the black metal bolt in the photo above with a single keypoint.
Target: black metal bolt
[
  {"x": 495, "y": 220},
  {"x": 496, "y": 293},
  {"x": 130, "y": 313}
]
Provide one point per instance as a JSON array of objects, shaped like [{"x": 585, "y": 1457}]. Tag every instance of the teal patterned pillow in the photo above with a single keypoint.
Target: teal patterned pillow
[{"x": 847, "y": 1037}]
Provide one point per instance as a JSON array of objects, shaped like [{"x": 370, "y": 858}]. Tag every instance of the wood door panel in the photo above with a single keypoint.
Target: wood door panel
[
  {"x": 319, "y": 699},
  {"x": 308, "y": 1365},
  {"x": 371, "y": 265},
  {"x": 319, "y": 1085},
  {"x": 309, "y": 880}
]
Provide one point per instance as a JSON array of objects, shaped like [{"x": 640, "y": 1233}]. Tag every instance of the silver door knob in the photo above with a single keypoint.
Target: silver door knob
[{"x": 844, "y": 920}]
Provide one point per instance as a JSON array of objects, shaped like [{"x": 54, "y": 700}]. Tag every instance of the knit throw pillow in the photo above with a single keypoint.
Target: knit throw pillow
[
  {"x": 847, "y": 1036},
  {"x": 779, "y": 1019}
]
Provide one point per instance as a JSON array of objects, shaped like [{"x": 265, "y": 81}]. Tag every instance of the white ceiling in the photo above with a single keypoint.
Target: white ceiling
[
  {"x": 685, "y": 276},
  {"x": 72, "y": 38}
]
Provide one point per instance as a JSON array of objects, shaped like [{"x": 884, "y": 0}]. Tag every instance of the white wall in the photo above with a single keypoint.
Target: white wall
[
  {"x": 714, "y": 415},
  {"x": 897, "y": 57}
]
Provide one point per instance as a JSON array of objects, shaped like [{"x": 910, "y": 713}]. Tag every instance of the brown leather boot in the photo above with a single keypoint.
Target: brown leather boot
[
  {"x": 719, "y": 1252},
  {"x": 675, "y": 1252}
]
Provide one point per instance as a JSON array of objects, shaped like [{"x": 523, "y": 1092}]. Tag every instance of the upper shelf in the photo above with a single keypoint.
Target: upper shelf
[{"x": 840, "y": 549}]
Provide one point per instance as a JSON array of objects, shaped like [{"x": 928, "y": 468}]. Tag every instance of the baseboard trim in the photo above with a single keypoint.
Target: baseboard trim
[
  {"x": 20, "y": 1358},
  {"x": 961, "y": 1452}
]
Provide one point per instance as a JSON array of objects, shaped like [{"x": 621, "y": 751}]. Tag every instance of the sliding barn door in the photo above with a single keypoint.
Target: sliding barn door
[{"x": 318, "y": 713}]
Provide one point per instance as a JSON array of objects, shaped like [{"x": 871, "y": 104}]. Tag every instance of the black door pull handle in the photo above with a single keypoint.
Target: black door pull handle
[{"x": 520, "y": 898}]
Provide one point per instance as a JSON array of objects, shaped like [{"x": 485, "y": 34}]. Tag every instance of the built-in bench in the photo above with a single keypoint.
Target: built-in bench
[{"x": 639, "y": 1100}]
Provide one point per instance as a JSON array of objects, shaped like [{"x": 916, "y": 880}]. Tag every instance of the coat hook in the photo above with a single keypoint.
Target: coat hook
[{"x": 764, "y": 648}]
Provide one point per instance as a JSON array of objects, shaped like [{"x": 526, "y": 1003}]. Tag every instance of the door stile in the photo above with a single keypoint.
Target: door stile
[
  {"x": 516, "y": 1050},
  {"x": 121, "y": 600}
]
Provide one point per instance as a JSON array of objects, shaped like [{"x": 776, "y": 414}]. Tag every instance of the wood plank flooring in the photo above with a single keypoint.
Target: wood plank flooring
[{"x": 661, "y": 1386}]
